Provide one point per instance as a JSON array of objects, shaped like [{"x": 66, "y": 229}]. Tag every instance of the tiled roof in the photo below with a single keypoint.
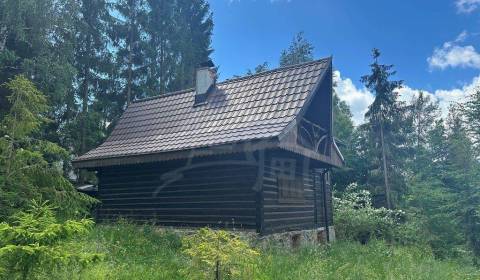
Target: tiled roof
[{"x": 254, "y": 107}]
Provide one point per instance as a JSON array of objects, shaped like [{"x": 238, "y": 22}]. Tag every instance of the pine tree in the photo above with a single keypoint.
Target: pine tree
[
  {"x": 384, "y": 118},
  {"x": 299, "y": 51}
]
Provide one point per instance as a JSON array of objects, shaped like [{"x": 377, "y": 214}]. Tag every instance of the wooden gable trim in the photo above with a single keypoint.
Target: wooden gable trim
[
  {"x": 333, "y": 161},
  {"x": 338, "y": 153},
  {"x": 288, "y": 137},
  {"x": 294, "y": 123}
]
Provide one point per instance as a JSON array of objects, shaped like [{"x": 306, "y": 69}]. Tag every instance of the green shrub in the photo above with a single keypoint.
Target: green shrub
[
  {"x": 218, "y": 254},
  {"x": 33, "y": 240},
  {"x": 357, "y": 219}
]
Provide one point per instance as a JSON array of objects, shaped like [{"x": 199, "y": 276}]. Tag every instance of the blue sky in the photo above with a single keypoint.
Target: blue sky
[{"x": 433, "y": 44}]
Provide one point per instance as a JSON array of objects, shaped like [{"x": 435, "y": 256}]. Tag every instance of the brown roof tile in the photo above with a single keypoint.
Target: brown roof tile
[{"x": 254, "y": 107}]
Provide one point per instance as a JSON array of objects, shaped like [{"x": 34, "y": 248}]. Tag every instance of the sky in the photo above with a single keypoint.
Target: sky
[{"x": 433, "y": 44}]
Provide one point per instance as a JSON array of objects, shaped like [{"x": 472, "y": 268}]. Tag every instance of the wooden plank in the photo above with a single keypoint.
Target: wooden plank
[{"x": 203, "y": 196}]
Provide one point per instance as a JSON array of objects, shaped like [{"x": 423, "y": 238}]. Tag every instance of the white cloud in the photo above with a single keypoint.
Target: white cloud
[
  {"x": 448, "y": 97},
  {"x": 452, "y": 54},
  {"x": 462, "y": 36},
  {"x": 444, "y": 97},
  {"x": 360, "y": 99},
  {"x": 357, "y": 99},
  {"x": 407, "y": 93},
  {"x": 467, "y": 6}
]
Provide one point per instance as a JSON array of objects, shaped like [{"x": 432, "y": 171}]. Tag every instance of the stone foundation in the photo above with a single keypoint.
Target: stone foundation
[
  {"x": 288, "y": 239},
  {"x": 295, "y": 239}
]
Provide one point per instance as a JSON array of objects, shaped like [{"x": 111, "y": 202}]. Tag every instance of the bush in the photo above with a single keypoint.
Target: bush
[
  {"x": 357, "y": 219},
  {"x": 219, "y": 254},
  {"x": 34, "y": 240}
]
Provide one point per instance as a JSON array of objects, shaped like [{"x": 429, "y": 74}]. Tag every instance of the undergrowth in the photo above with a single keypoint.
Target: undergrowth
[{"x": 142, "y": 252}]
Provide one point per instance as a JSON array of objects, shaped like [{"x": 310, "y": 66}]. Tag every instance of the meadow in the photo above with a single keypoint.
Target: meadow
[{"x": 144, "y": 252}]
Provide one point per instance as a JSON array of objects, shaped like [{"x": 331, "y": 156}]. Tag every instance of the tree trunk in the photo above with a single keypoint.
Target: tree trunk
[
  {"x": 84, "y": 113},
  {"x": 217, "y": 270},
  {"x": 162, "y": 66},
  {"x": 385, "y": 172},
  {"x": 84, "y": 108},
  {"x": 84, "y": 94},
  {"x": 129, "y": 81},
  {"x": 3, "y": 38}
]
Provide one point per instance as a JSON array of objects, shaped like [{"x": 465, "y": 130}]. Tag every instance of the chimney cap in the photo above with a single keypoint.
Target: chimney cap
[{"x": 208, "y": 63}]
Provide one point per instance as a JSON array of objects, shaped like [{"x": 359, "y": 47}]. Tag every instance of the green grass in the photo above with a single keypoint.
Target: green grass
[{"x": 133, "y": 252}]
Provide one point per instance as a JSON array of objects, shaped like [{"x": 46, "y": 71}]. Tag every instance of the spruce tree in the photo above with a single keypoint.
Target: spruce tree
[
  {"x": 422, "y": 112},
  {"x": 384, "y": 119},
  {"x": 343, "y": 131},
  {"x": 179, "y": 37},
  {"x": 130, "y": 40},
  {"x": 36, "y": 41},
  {"x": 28, "y": 162},
  {"x": 160, "y": 59},
  {"x": 461, "y": 176},
  {"x": 191, "y": 41},
  {"x": 472, "y": 113},
  {"x": 93, "y": 62}
]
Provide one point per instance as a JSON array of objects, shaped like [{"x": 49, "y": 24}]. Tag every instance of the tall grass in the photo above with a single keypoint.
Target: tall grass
[
  {"x": 350, "y": 260},
  {"x": 141, "y": 252}
]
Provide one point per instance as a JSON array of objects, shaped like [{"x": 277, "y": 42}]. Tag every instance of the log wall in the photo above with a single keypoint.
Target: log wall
[{"x": 214, "y": 192}]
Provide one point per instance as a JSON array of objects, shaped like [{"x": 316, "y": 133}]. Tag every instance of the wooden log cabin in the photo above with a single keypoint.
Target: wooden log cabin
[{"x": 251, "y": 153}]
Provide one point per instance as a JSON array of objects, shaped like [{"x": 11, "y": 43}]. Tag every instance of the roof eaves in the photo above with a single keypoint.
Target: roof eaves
[{"x": 226, "y": 148}]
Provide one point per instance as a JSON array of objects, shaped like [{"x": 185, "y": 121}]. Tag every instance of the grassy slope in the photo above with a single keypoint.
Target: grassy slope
[{"x": 133, "y": 253}]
